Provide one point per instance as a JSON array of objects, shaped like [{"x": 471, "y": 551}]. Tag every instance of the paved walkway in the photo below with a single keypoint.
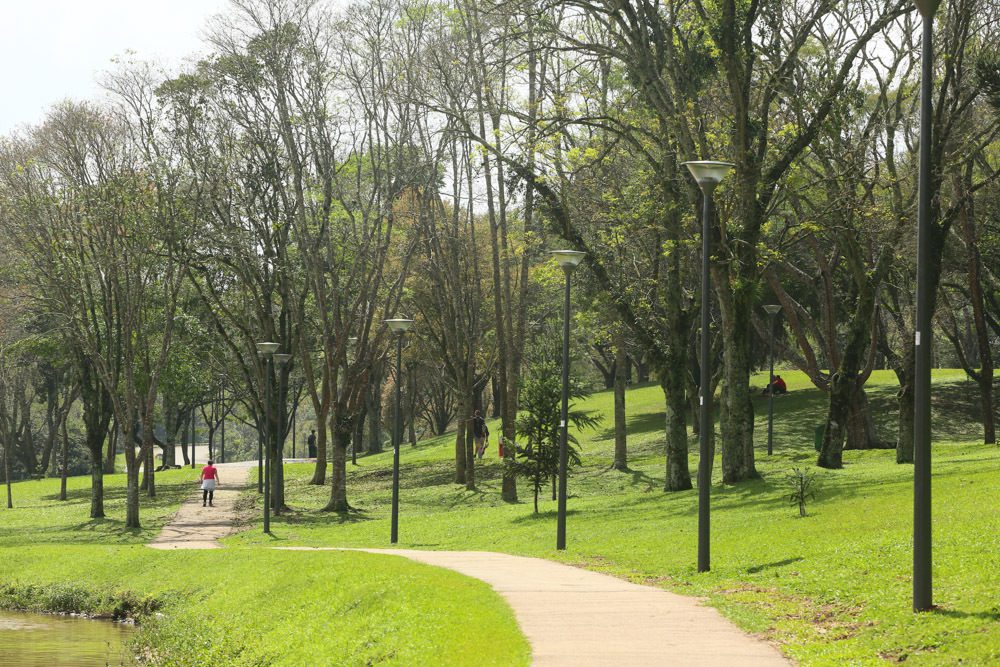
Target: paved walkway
[
  {"x": 570, "y": 616},
  {"x": 577, "y": 618},
  {"x": 197, "y": 527}
]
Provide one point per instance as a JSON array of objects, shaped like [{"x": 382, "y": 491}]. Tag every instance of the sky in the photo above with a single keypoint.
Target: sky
[{"x": 51, "y": 50}]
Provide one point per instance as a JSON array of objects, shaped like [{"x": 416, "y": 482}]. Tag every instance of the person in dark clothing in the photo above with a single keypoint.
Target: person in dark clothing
[
  {"x": 312, "y": 444},
  {"x": 480, "y": 433}
]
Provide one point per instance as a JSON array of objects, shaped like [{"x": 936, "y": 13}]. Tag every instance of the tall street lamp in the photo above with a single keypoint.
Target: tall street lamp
[
  {"x": 772, "y": 310},
  {"x": 568, "y": 260},
  {"x": 707, "y": 174},
  {"x": 260, "y": 437},
  {"x": 267, "y": 351},
  {"x": 922, "y": 597},
  {"x": 399, "y": 327}
]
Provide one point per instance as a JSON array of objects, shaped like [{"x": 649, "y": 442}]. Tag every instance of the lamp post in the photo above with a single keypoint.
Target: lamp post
[
  {"x": 399, "y": 327},
  {"x": 707, "y": 174},
  {"x": 568, "y": 260},
  {"x": 260, "y": 436},
  {"x": 922, "y": 588},
  {"x": 772, "y": 310},
  {"x": 276, "y": 466},
  {"x": 267, "y": 351}
]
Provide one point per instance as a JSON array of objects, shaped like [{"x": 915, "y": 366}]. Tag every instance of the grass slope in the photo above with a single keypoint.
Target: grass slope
[
  {"x": 243, "y": 607},
  {"x": 831, "y": 588}
]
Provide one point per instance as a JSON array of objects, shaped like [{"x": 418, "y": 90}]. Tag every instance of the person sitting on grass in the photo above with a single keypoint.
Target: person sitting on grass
[
  {"x": 209, "y": 479},
  {"x": 777, "y": 387}
]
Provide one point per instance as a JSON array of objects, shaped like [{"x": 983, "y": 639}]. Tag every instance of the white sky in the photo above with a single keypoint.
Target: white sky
[{"x": 51, "y": 50}]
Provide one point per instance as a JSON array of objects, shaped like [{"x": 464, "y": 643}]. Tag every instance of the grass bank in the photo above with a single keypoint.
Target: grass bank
[
  {"x": 242, "y": 606},
  {"x": 831, "y": 588}
]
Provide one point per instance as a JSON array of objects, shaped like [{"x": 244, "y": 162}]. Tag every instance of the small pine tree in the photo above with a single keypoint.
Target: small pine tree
[{"x": 536, "y": 457}]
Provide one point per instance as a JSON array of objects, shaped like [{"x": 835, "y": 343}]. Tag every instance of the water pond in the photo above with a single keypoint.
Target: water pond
[{"x": 34, "y": 640}]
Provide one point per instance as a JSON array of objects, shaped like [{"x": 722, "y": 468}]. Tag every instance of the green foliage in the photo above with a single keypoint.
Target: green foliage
[
  {"x": 803, "y": 487},
  {"x": 537, "y": 454}
]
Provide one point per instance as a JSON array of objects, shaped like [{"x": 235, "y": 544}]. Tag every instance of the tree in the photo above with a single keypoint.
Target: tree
[{"x": 536, "y": 456}]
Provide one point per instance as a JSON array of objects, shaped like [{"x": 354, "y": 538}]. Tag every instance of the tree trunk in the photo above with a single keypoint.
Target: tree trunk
[
  {"x": 51, "y": 401},
  {"x": 470, "y": 441},
  {"x": 736, "y": 406},
  {"x": 463, "y": 424},
  {"x": 343, "y": 430},
  {"x": 185, "y": 436},
  {"x": 112, "y": 452},
  {"x": 150, "y": 449},
  {"x": 411, "y": 398},
  {"x": 95, "y": 444},
  {"x": 904, "y": 432},
  {"x": 132, "y": 495},
  {"x": 832, "y": 450},
  {"x": 375, "y": 414},
  {"x": 494, "y": 402},
  {"x": 357, "y": 444},
  {"x": 967, "y": 226},
  {"x": 64, "y": 468},
  {"x": 621, "y": 440},
  {"x": 6, "y": 476},
  {"x": 319, "y": 473},
  {"x": 860, "y": 425}
]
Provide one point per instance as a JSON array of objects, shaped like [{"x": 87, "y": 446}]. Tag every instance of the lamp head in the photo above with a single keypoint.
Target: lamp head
[
  {"x": 267, "y": 349},
  {"x": 568, "y": 259},
  {"x": 399, "y": 325},
  {"x": 282, "y": 359},
  {"x": 772, "y": 308},
  {"x": 708, "y": 173},
  {"x": 927, "y": 8}
]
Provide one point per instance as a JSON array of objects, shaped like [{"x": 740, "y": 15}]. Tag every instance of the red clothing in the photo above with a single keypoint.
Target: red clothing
[
  {"x": 780, "y": 385},
  {"x": 209, "y": 472}
]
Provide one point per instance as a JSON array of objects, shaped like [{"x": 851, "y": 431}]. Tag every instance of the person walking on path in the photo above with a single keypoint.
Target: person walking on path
[
  {"x": 209, "y": 479},
  {"x": 480, "y": 432},
  {"x": 312, "y": 444}
]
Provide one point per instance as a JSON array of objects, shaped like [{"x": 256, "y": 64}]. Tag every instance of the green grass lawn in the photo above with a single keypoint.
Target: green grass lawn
[
  {"x": 242, "y": 606},
  {"x": 831, "y": 588}
]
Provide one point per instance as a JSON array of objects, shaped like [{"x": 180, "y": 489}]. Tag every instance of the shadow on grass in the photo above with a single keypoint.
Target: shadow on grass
[
  {"x": 542, "y": 516},
  {"x": 767, "y": 566},
  {"x": 647, "y": 422},
  {"x": 991, "y": 615}
]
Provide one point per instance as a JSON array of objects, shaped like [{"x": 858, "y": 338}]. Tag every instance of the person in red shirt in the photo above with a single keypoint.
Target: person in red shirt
[{"x": 209, "y": 480}]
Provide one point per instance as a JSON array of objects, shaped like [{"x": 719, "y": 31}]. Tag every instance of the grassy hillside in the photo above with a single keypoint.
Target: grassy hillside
[{"x": 830, "y": 588}]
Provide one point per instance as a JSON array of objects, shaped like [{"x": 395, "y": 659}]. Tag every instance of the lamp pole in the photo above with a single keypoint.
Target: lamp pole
[
  {"x": 707, "y": 174},
  {"x": 260, "y": 433},
  {"x": 772, "y": 310},
  {"x": 399, "y": 327},
  {"x": 922, "y": 577},
  {"x": 267, "y": 350},
  {"x": 568, "y": 259}
]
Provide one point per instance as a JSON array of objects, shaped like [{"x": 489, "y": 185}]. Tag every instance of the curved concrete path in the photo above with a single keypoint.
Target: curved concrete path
[
  {"x": 578, "y": 618},
  {"x": 570, "y": 616}
]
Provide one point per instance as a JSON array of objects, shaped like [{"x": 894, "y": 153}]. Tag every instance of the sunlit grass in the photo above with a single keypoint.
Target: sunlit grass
[{"x": 831, "y": 588}]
